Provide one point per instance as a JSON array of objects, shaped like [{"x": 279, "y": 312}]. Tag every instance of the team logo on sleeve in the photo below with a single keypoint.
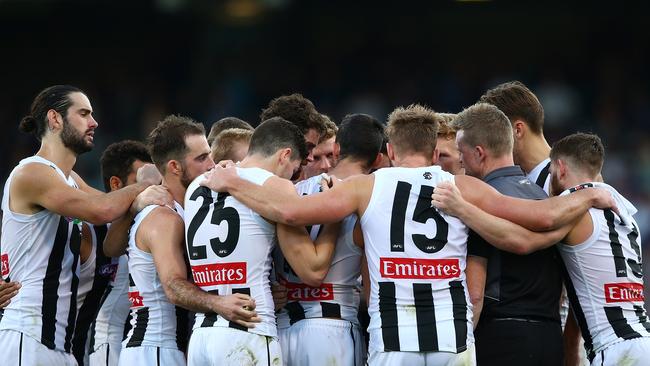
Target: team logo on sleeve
[
  {"x": 430, "y": 269},
  {"x": 623, "y": 292},
  {"x": 5, "y": 264},
  {"x": 219, "y": 274}
]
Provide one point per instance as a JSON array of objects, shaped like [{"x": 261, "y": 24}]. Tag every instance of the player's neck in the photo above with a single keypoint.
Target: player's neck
[
  {"x": 175, "y": 187},
  {"x": 495, "y": 163},
  {"x": 575, "y": 180},
  {"x": 536, "y": 151},
  {"x": 257, "y": 161},
  {"x": 413, "y": 161},
  {"x": 60, "y": 155},
  {"x": 347, "y": 168}
]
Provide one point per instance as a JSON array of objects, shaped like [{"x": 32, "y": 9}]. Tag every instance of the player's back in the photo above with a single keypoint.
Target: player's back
[
  {"x": 416, "y": 258},
  {"x": 605, "y": 277},
  {"x": 229, "y": 247},
  {"x": 41, "y": 252}
]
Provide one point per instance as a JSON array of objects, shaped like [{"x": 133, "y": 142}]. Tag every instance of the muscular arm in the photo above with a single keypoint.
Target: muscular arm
[
  {"x": 310, "y": 260},
  {"x": 162, "y": 233},
  {"x": 536, "y": 215},
  {"x": 278, "y": 201},
  {"x": 37, "y": 186},
  {"x": 501, "y": 233},
  {"x": 476, "y": 273}
]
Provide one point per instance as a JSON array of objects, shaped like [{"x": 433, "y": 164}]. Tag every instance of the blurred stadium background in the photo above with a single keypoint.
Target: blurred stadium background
[{"x": 140, "y": 60}]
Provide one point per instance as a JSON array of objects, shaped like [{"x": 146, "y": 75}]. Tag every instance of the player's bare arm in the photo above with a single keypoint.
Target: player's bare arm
[
  {"x": 162, "y": 234},
  {"x": 499, "y": 232},
  {"x": 476, "y": 273},
  {"x": 7, "y": 291},
  {"x": 117, "y": 236},
  {"x": 310, "y": 260},
  {"x": 37, "y": 186},
  {"x": 277, "y": 200},
  {"x": 536, "y": 215}
]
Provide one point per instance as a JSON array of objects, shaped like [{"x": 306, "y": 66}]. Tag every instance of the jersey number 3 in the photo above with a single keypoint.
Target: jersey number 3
[{"x": 219, "y": 215}]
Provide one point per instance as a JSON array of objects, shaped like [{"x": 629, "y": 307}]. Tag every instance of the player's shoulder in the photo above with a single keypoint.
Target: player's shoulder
[
  {"x": 37, "y": 175},
  {"x": 161, "y": 216}
]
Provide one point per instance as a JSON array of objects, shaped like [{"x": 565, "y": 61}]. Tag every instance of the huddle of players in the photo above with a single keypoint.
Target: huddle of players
[{"x": 425, "y": 293}]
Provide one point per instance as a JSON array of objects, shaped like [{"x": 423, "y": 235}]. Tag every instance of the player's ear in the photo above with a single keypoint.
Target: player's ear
[
  {"x": 336, "y": 151},
  {"x": 54, "y": 120},
  {"x": 377, "y": 162},
  {"x": 563, "y": 169},
  {"x": 115, "y": 183},
  {"x": 285, "y": 154},
  {"x": 174, "y": 167},
  {"x": 518, "y": 129},
  {"x": 435, "y": 156},
  {"x": 390, "y": 151},
  {"x": 480, "y": 152}
]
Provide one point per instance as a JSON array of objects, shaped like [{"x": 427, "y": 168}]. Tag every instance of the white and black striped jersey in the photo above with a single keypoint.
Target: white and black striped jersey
[
  {"x": 41, "y": 251},
  {"x": 94, "y": 276},
  {"x": 416, "y": 258},
  {"x": 110, "y": 324},
  {"x": 338, "y": 296},
  {"x": 156, "y": 322},
  {"x": 605, "y": 277},
  {"x": 540, "y": 175},
  {"x": 229, "y": 247}
]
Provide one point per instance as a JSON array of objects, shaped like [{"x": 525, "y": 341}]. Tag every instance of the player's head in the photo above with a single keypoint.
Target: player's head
[
  {"x": 483, "y": 135},
  {"x": 301, "y": 112},
  {"x": 63, "y": 111},
  {"x": 412, "y": 131},
  {"x": 179, "y": 149},
  {"x": 282, "y": 143},
  {"x": 359, "y": 139},
  {"x": 448, "y": 154},
  {"x": 523, "y": 109},
  {"x": 225, "y": 124},
  {"x": 575, "y": 159},
  {"x": 120, "y": 163},
  {"x": 231, "y": 144},
  {"x": 324, "y": 154}
]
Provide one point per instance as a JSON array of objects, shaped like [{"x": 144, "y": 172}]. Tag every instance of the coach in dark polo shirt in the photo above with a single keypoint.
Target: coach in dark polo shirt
[{"x": 516, "y": 297}]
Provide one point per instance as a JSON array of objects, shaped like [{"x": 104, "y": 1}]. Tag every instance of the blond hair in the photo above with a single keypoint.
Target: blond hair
[
  {"x": 224, "y": 143},
  {"x": 413, "y": 129}
]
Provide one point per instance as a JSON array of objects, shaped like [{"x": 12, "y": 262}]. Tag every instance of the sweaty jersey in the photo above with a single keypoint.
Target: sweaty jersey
[
  {"x": 605, "y": 277},
  {"x": 229, "y": 247},
  {"x": 41, "y": 251},
  {"x": 416, "y": 258},
  {"x": 338, "y": 296},
  {"x": 156, "y": 321}
]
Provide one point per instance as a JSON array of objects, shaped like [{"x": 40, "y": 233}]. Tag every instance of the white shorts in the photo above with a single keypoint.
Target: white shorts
[
  {"x": 20, "y": 349},
  {"x": 218, "y": 346},
  {"x": 466, "y": 358},
  {"x": 283, "y": 338},
  {"x": 151, "y": 356},
  {"x": 319, "y": 341},
  {"x": 632, "y": 352},
  {"x": 106, "y": 355}
]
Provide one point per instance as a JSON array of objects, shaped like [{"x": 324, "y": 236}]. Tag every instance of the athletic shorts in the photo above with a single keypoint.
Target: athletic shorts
[
  {"x": 151, "y": 356},
  {"x": 106, "y": 355},
  {"x": 217, "y": 346},
  {"x": 283, "y": 338},
  {"x": 465, "y": 358},
  {"x": 20, "y": 349},
  {"x": 321, "y": 342},
  {"x": 631, "y": 352}
]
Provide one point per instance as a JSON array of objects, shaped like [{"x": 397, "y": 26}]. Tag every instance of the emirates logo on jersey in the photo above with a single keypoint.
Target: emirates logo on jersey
[
  {"x": 302, "y": 292},
  {"x": 219, "y": 274},
  {"x": 623, "y": 292},
  {"x": 135, "y": 299},
  {"x": 5, "y": 264},
  {"x": 430, "y": 269}
]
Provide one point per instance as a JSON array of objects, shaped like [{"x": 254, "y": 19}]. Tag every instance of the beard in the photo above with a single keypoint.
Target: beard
[
  {"x": 555, "y": 188},
  {"x": 73, "y": 140},
  {"x": 186, "y": 180}
]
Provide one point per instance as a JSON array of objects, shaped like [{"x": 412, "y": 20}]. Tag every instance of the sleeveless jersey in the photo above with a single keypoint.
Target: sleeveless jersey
[
  {"x": 416, "y": 258},
  {"x": 110, "y": 323},
  {"x": 229, "y": 247},
  {"x": 339, "y": 294},
  {"x": 41, "y": 251},
  {"x": 540, "y": 175},
  {"x": 156, "y": 322},
  {"x": 94, "y": 276},
  {"x": 605, "y": 277}
]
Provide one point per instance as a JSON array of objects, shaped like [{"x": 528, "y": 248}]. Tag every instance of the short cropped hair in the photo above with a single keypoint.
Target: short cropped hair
[
  {"x": 227, "y": 123},
  {"x": 277, "y": 133},
  {"x": 118, "y": 159},
  {"x": 167, "y": 141},
  {"x": 518, "y": 103},
  {"x": 584, "y": 151},
  {"x": 224, "y": 143},
  {"x": 485, "y": 125},
  {"x": 297, "y": 110},
  {"x": 360, "y": 137},
  {"x": 413, "y": 129},
  {"x": 330, "y": 128}
]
